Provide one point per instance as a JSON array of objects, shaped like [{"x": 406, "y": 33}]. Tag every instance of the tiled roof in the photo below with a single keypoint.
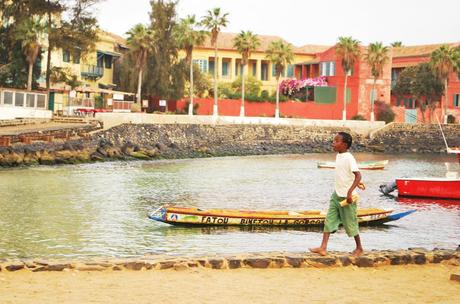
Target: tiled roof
[
  {"x": 418, "y": 50},
  {"x": 225, "y": 41},
  {"x": 118, "y": 39}
]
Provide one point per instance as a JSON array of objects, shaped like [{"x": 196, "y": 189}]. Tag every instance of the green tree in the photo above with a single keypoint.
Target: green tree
[
  {"x": 214, "y": 21},
  {"x": 421, "y": 82},
  {"x": 187, "y": 37},
  {"x": 349, "y": 51},
  {"x": 280, "y": 54},
  {"x": 376, "y": 57},
  {"x": 140, "y": 41},
  {"x": 445, "y": 60},
  {"x": 29, "y": 32},
  {"x": 160, "y": 66},
  {"x": 245, "y": 43},
  {"x": 396, "y": 44}
]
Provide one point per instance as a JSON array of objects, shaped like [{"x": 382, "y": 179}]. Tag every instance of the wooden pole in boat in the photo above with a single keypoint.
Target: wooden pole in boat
[{"x": 442, "y": 132}]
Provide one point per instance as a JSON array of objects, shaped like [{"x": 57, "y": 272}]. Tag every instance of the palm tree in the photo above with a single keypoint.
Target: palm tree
[
  {"x": 396, "y": 44},
  {"x": 348, "y": 49},
  {"x": 29, "y": 32},
  {"x": 444, "y": 61},
  {"x": 140, "y": 40},
  {"x": 376, "y": 57},
  {"x": 245, "y": 43},
  {"x": 214, "y": 22},
  {"x": 187, "y": 37},
  {"x": 280, "y": 54}
]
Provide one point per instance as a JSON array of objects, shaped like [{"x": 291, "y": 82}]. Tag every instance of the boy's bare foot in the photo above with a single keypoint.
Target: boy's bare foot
[
  {"x": 357, "y": 252},
  {"x": 318, "y": 250}
]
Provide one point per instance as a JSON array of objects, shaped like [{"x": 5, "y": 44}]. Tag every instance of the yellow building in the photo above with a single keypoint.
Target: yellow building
[
  {"x": 229, "y": 59},
  {"x": 95, "y": 71}
]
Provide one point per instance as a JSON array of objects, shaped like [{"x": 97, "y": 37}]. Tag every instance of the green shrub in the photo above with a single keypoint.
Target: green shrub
[
  {"x": 252, "y": 86},
  {"x": 450, "y": 119},
  {"x": 98, "y": 102},
  {"x": 264, "y": 94},
  {"x": 384, "y": 112},
  {"x": 358, "y": 117}
]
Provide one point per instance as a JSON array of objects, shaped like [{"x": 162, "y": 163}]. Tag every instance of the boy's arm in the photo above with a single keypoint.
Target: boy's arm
[{"x": 353, "y": 186}]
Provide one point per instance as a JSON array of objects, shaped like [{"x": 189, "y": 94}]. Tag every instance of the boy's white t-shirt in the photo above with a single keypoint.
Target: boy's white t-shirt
[{"x": 345, "y": 165}]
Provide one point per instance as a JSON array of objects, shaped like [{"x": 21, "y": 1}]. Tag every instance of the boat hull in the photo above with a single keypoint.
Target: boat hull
[
  {"x": 435, "y": 188},
  {"x": 196, "y": 217}
]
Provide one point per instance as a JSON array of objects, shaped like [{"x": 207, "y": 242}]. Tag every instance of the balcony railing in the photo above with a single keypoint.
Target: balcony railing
[{"x": 92, "y": 71}]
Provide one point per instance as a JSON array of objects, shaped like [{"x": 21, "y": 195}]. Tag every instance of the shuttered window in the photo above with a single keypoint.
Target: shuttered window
[
  {"x": 290, "y": 70},
  {"x": 202, "y": 64},
  {"x": 457, "y": 100},
  {"x": 327, "y": 68}
]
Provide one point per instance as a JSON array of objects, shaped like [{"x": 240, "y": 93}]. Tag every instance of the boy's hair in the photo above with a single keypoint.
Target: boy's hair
[{"x": 346, "y": 138}]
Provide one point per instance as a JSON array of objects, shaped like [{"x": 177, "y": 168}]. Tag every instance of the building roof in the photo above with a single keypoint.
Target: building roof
[
  {"x": 418, "y": 50},
  {"x": 225, "y": 41},
  {"x": 118, "y": 39}
]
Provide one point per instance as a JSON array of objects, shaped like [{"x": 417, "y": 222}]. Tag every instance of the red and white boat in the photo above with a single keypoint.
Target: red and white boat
[{"x": 429, "y": 187}]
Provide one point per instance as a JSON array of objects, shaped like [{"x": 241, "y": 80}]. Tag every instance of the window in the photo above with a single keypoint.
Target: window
[
  {"x": 100, "y": 60},
  {"x": 76, "y": 58},
  {"x": 65, "y": 56},
  {"x": 211, "y": 67},
  {"x": 328, "y": 68},
  {"x": 41, "y": 101},
  {"x": 238, "y": 68},
  {"x": 290, "y": 70},
  {"x": 224, "y": 68},
  {"x": 457, "y": 100},
  {"x": 19, "y": 99},
  {"x": 254, "y": 69},
  {"x": 202, "y": 64},
  {"x": 273, "y": 70},
  {"x": 8, "y": 98},
  {"x": 108, "y": 61},
  {"x": 264, "y": 71},
  {"x": 30, "y": 100}
]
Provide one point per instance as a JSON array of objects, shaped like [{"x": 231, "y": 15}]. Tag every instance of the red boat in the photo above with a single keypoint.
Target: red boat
[{"x": 429, "y": 187}]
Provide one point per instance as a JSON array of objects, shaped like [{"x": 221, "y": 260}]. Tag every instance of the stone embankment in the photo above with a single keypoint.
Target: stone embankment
[
  {"x": 149, "y": 141},
  {"x": 416, "y": 256}
]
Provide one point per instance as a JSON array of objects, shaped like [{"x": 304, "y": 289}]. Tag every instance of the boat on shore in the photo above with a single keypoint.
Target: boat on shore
[
  {"x": 190, "y": 216},
  {"x": 429, "y": 187},
  {"x": 367, "y": 165}
]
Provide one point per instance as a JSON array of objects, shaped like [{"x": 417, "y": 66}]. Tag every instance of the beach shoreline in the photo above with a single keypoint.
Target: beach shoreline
[{"x": 386, "y": 284}]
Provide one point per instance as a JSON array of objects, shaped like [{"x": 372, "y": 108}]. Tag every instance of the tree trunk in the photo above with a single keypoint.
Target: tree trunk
[
  {"x": 277, "y": 110},
  {"x": 139, "y": 88},
  {"x": 344, "y": 113},
  {"x": 190, "y": 106},
  {"x": 29, "y": 78},
  {"x": 215, "y": 111},
  {"x": 48, "y": 56},
  {"x": 373, "y": 100},
  {"x": 242, "y": 92}
]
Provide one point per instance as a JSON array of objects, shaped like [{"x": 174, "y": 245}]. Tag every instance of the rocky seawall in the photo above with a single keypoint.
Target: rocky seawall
[
  {"x": 149, "y": 141},
  {"x": 416, "y": 256}
]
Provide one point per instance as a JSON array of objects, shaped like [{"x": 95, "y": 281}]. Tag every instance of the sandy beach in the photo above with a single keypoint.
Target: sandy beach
[{"x": 386, "y": 284}]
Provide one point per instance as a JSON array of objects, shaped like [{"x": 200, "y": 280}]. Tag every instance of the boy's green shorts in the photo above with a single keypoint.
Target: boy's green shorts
[{"x": 336, "y": 215}]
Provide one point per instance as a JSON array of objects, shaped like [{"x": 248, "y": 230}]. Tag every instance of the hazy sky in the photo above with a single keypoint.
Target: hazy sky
[{"x": 311, "y": 22}]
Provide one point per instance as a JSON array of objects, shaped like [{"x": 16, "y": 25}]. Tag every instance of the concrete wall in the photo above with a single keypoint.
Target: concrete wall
[
  {"x": 7, "y": 112},
  {"x": 112, "y": 119}
]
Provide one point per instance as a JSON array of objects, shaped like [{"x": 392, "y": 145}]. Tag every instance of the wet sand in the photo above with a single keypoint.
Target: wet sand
[{"x": 385, "y": 284}]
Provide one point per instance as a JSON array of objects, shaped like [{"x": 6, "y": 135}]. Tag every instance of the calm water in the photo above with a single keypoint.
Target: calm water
[{"x": 101, "y": 209}]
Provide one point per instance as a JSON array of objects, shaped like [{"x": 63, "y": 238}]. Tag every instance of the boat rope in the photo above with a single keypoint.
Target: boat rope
[{"x": 442, "y": 132}]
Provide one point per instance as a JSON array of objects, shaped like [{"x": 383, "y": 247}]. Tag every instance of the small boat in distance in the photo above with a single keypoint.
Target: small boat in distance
[
  {"x": 189, "y": 216},
  {"x": 367, "y": 165}
]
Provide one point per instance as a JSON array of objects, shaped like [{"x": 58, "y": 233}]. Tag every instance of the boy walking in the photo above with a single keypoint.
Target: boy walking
[{"x": 347, "y": 178}]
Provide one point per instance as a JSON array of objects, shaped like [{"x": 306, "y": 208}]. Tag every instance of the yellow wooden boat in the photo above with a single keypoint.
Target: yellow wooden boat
[{"x": 232, "y": 217}]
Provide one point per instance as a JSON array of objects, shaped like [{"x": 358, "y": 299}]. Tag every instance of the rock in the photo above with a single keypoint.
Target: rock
[
  {"x": 167, "y": 264},
  {"x": 364, "y": 261},
  {"x": 277, "y": 262},
  {"x": 455, "y": 277},
  {"x": 321, "y": 261},
  {"x": 89, "y": 268},
  {"x": 14, "y": 267},
  {"x": 419, "y": 259},
  {"x": 345, "y": 260},
  {"x": 53, "y": 267},
  {"x": 257, "y": 262},
  {"x": 234, "y": 263},
  {"x": 180, "y": 266},
  {"x": 216, "y": 263},
  {"x": 134, "y": 265},
  {"x": 442, "y": 255},
  {"x": 117, "y": 268},
  {"x": 295, "y": 262}
]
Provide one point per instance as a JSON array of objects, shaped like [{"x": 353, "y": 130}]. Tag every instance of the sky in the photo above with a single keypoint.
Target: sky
[{"x": 302, "y": 22}]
